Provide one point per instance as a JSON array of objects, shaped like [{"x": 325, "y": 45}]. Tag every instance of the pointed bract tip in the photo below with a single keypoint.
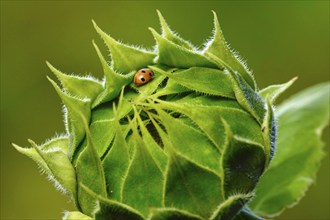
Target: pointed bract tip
[
  {"x": 95, "y": 46},
  {"x": 165, "y": 28},
  {"x": 50, "y": 66},
  {"x": 50, "y": 79},
  {"x": 57, "y": 88},
  {"x": 216, "y": 22},
  {"x": 294, "y": 79},
  {"x": 161, "y": 17},
  {"x": 15, "y": 145},
  {"x": 94, "y": 24},
  {"x": 226, "y": 126},
  {"x": 32, "y": 143},
  {"x": 154, "y": 33},
  {"x": 19, "y": 148},
  {"x": 215, "y": 16},
  {"x": 98, "y": 29},
  {"x": 291, "y": 81},
  {"x": 55, "y": 71},
  {"x": 106, "y": 37}
]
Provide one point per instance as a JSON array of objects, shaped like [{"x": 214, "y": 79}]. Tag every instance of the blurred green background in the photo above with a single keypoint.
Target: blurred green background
[{"x": 279, "y": 39}]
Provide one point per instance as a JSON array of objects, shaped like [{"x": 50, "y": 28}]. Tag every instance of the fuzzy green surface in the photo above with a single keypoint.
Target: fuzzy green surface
[{"x": 96, "y": 123}]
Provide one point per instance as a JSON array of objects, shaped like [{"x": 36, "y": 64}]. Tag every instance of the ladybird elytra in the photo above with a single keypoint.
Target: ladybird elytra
[{"x": 143, "y": 76}]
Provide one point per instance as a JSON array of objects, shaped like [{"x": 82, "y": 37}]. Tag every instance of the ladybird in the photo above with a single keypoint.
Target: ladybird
[{"x": 143, "y": 76}]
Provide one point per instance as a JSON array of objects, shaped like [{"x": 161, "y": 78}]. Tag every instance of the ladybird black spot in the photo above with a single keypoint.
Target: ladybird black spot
[
  {"x": 143, "y": 71},
  {"x": 150, "y": 74},
  {"x": 143, "y": 79}
]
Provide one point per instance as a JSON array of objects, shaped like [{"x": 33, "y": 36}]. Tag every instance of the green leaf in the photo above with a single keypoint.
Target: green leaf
[
  {"x": 109, "y": 209},
  {"x": 155, "y": 150},
  {"x": 35, "y": 156},
  {"x": 125, "y": 58},
  {"x": 55, "y": 163},
  {"x": 230, "y": 207},
  {"x": 90, "y": 173},
  {"x": 102, "y": 112},
  {"x": 269, "y": 130},
  {"x": 143, "y": 186},
  {"x": 190, "y": 187},
  {"x": 186, "y": 140},
  {"x": 116, "y": 164},
  {"x": 274, "y": 91},
  {"x": 200, "y": 79},
  {"x": 82, "y": 87},
  {"x": 207, "y": 114},
  {"x": 301, "y": 120},
  {"x": 243, "y": 162},
  {"x": 172, "y": 214},
  {"x": 248, "y": 98},
  {"x": 75, "y": 216},
  {"x": 78, "y": 111},
  {"x": 113, "y": 81},
  {"x": 102, "y": 133},
  {"x": 212, "y": 101},
  {"x": 163, "y": 136},
  {"x": 126, "y": 98},
  {"x": 60, "y": 141},
  {"x": 173, "y": 55},
  {"x": 60, "y": 167},
  {"x": 57, "y": 142},
  {"x": 219, "y": 48},
  {"x": 171, "y": 36},
  {"x": 172, "y": 87}
]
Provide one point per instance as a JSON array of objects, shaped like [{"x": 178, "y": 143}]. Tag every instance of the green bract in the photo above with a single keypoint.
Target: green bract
[{"x": 189, "y": 144}]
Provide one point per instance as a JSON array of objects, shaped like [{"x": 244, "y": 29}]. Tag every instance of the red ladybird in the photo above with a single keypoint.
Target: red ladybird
[{"x": 143, "y": 76}]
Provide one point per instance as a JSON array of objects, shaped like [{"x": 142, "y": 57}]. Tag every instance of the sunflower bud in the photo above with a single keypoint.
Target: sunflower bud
[{"x": 174, "y": 133}]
